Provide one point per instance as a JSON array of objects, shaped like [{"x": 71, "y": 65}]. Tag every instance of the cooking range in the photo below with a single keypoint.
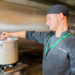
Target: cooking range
[{"x": 9, "y": 64}]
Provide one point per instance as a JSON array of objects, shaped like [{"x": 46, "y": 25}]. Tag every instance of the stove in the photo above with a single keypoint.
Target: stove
[{"x": 13, "y": 69}]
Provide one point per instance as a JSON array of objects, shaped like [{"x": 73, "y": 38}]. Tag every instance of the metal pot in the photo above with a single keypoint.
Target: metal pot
[{"x": 8, "y": 51}]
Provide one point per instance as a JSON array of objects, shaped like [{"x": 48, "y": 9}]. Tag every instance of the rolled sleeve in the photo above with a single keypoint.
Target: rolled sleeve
[{"x": 37, "y": 36}]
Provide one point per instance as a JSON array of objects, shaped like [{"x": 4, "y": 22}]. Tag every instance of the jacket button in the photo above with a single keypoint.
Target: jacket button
[
  {"x": 43, "y": 61},
  {"x": 53, "y": 53},
  {"x": 49, "y": 65}
]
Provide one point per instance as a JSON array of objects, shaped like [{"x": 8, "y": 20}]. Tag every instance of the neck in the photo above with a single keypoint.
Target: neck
[{"x": 60, "y": 30}]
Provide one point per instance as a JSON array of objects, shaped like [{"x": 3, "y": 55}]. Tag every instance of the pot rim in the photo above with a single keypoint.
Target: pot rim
[{"x": 9, "y": 39}]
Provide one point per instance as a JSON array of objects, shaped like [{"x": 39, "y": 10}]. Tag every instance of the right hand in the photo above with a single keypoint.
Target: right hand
[{"x": 4, "y": 35}]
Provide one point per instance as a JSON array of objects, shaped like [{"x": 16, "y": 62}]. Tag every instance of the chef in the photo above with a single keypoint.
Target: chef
[{"x": 59, "y": 44}]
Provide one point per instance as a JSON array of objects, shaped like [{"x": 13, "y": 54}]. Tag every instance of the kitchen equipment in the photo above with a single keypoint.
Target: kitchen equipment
[
  {"x": 15, "y": 70},
  {"x": 9, "y": 51}
]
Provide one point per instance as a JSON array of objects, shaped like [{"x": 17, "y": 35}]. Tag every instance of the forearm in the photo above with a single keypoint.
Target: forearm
[{"x": 20, "y": 34}]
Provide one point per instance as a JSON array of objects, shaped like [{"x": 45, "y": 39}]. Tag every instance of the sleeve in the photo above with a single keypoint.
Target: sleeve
[
  {"x": 37, "y": 36},
  {"x": 72, "y": 58}
]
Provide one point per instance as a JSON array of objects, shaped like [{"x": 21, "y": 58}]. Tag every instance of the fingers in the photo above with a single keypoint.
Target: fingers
[{"x": 4, "y": 35}]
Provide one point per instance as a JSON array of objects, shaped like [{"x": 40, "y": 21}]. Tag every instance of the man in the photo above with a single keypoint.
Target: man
[{"x": 59, "y": 49}]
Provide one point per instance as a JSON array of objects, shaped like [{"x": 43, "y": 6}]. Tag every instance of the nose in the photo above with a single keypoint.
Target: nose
[{"x": 47, "y": 22}]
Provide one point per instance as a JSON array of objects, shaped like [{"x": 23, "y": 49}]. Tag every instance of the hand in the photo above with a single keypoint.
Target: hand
[{"x": 4, "y": 35}]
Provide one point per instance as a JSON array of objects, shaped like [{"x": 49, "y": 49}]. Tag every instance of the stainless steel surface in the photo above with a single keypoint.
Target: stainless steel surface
[
  {"x": 8, "y": 51},
  {"x": 15, "y": 17},
  {"x": 40, "y": 20},
  {"x": 30, "y": 3}
]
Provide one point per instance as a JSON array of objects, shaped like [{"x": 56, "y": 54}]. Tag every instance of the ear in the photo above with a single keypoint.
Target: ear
[{"x": 61, "y": 16}]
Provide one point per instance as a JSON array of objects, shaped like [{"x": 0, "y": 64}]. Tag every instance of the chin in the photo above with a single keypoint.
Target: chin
[{"x": 51, "y": 30}]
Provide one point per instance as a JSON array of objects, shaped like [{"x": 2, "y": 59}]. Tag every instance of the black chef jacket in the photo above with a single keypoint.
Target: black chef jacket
[{"x": 60, "y": 60}]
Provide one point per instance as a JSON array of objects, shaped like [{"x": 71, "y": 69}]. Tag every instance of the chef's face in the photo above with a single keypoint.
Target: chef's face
[{"x": 53, "y": 21}]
